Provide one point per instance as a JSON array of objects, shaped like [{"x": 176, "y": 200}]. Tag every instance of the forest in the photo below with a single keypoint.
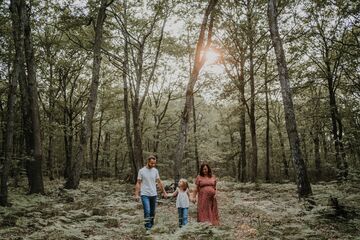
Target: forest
[{"x": 265, "y": 92}]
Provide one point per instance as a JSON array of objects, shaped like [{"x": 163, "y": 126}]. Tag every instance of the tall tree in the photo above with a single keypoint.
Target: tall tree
[
  {"x": 34, "y": 166},
  {"x": 303, "y": 183},
  {"x": 75, "y": 170},
  {"x": 329, "y": 63},
  {"x": 267, "y": 134},
  {"x": 250, "y": 42},
  {"x": 18, "y": 31},
  {"x": 235, "y": 48},
  {"x": 143, "y": 43},
  {"x": 206, "y": 26},
  {"x": 126, "y": 90}
]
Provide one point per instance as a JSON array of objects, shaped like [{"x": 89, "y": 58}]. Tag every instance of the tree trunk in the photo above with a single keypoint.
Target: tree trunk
[
  {"x": 91, "y": 154},
  {"x": 97, "y": 153},
  {"x": 324, "y": 144},
  {"x": 283, "y": 154},
  {"x": 138, "y": 151},
  {"x": 68, "y": 142},
  {"x": 18, "y": 29},
  {"x": 116, "y": 168},
  {"x": 74, "y": 178},
  {"x": 267, "y": 134},
  {"x": 252, "y": 116},
  {"x": 198, "y": 63},
  {"x": 304, "y": 144},
  {"x": 50, "y": 157},
  {"x": 316, "y": 141},
  {"x": 126, "y": 99},
  {"x": 34, "y": 166},
  {"x": 242, "y": 125},
  {"x": 242, "y": 156},
  {"x": 303, "y": 184},
  {"x": 315, "y": 136},
  {"x": 106, "y": 153},
  {"x": 197, "y": 160},
  {"x": 340, "y": 157}
]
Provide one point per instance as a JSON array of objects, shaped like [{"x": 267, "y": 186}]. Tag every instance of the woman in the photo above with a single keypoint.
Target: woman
[{"x": 206, "y": 194}]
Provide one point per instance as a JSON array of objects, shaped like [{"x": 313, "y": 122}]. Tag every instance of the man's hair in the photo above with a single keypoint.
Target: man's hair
[{"x": 151, "y": 157}]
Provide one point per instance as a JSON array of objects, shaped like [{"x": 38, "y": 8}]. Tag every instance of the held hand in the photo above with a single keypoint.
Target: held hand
[
  {"x": 137, "y": 198},
  {"x": 164, "y": 194}
]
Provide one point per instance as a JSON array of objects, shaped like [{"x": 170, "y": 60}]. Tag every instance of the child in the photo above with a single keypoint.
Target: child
[{"x": 182, "y": 201}]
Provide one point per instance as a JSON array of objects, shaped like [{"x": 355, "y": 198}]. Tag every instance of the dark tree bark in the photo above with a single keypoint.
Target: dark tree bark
[
  {"x": 97, "y": 152},
  {"x": 242, "y": 156},
  {"x": 33, "y": 166},
  {"x": 252, "y": 116},
  {"x": 91, "y": 154},
  {"x": 303, "y": 137},
  {"x": 196, "y": 150},
  {"x": 68, "y": 119},
  {"x": 267, "y": 131},
  {"x": 18, "y": 29},
  {"x": 324, "y": 144},
  {"x": 106, "y": 153},
  {"x": 337, "y": 127},
  {"x": 303, "y": 184},
  {"x": 283, "y": 154},
  {"x": 50, "y": 113},
  {"x": 125, "y": 65},
  {"x": 198, "y": 63},
  {"x": 242, "y": 124},
  {"x": 74, "y": 177},
  {"x": 315, "y": 134}
]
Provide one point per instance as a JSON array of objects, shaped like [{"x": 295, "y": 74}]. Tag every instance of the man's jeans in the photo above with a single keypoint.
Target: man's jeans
[
  {"x": 149, "y": 204},
  {"x": 183, "y": 216}
]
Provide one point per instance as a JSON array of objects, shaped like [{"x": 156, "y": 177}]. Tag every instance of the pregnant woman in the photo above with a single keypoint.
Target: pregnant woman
[{"x": 206, "y": 196}]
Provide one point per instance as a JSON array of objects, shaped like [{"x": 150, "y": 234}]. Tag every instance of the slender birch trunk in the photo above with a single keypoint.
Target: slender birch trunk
[{"x": 303, "y": 183}]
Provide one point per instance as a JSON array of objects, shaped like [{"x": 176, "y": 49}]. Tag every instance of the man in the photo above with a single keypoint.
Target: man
[{"x": 145, "y": 188}]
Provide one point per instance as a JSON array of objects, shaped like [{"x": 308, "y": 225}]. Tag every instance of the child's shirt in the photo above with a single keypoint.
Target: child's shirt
[{"x": 182, "y": 200}]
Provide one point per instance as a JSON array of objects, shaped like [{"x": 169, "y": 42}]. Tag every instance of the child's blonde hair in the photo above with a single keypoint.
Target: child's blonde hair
[{"x": 185, "y": 181}]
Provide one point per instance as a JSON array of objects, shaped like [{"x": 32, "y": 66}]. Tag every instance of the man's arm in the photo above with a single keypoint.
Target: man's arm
[
  {"x": 161, "y": 185},
  {"x": 137, "y": 189}
]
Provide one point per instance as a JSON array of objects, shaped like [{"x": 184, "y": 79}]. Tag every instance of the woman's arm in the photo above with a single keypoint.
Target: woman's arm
[
  {"x": 215, "y": 187},
  {"x": 194, "y": 193}
]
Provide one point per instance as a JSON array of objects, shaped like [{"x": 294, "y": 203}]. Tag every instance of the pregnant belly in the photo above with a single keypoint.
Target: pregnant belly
[{"x": 209, "y": 191}]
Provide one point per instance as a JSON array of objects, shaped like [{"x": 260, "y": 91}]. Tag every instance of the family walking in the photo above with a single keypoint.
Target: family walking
[{"x": 204, "y": 194}]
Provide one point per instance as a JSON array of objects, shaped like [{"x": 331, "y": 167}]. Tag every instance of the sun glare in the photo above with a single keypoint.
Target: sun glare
[{"x": 211, "y": 56}]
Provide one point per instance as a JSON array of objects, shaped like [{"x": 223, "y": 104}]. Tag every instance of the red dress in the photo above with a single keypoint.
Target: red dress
[{"x": 207, "y": 203}]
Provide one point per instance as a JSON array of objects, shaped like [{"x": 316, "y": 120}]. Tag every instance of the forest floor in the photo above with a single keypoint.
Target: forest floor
[{"x": 107, "y": 210}]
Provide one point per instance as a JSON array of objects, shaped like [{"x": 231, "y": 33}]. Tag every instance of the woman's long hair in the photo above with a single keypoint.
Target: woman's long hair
[{"x": 202, "y": 168}]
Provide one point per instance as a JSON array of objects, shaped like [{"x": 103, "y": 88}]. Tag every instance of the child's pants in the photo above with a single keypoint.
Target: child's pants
[{"x": 183, "y": 216}]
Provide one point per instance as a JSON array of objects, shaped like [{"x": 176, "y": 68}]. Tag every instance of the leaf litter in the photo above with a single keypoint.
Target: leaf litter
[{"x": 107, "y": 210}]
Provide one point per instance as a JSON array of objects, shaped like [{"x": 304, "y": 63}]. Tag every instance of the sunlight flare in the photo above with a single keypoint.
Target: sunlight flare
[{"x": 212, "y": 56}]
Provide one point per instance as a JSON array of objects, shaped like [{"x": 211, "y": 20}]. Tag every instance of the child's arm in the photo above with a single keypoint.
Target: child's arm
[{"x": 174, "y": 194}]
